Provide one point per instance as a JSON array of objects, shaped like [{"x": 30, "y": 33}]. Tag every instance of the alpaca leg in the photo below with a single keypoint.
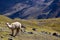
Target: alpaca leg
[
  {"x": 12, "y": 32},
  {"x": 22, "y": 30},
  {"x": 17, "y": 31}
]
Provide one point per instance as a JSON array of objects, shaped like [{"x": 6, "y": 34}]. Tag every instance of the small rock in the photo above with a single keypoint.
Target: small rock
[
  {"x": 0, "y": 30},
  {"x": 2, "y": 36},
  {"x": 44, "y": 32},
  {"x": 30, "y": 32},
  {"x": 58, "y": 35},
  {"x": 49, "y": 33},
  {"x": 34, "y": 29},
  {"x": 54, "y": 34},
  {"x": 10, "y": 39}
]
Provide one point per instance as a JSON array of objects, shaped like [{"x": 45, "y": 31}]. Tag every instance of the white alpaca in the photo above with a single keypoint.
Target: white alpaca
[{"x": 14, "y": 26}]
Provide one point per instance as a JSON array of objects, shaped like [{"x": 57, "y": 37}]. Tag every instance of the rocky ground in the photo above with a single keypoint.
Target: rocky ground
[
  {"x": 4, "y": 35},
  {"x": 42, "y": 29}
]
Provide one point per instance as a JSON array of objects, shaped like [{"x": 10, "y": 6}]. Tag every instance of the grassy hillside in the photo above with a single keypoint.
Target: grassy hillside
[
  {"x": 47, "y": 25},
  {"x": 51, "y": 25}
]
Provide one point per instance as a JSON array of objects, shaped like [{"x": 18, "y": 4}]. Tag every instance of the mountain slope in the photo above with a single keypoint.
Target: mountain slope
[
  {"x": 47, "y": 25},
  {"x": 37, "y": 9}
]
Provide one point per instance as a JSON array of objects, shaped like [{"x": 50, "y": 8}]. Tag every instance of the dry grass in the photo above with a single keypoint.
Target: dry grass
[{"x": 48, "y": 25}]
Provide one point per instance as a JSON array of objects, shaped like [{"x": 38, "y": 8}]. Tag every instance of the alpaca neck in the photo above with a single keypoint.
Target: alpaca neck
[{"x": 9, "y": 26}]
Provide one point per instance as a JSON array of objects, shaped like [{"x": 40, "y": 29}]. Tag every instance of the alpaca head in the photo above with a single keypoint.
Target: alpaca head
[{"x": 8, "y": 25}]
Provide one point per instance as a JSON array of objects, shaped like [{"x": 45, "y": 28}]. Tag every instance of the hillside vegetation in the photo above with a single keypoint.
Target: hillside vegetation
[
  {"x": 51, "y": 25},
  {"x": 47, "y": 25}
]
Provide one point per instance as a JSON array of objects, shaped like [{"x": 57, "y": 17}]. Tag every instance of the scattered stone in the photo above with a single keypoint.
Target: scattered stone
[
  {"x": 49, "y": 33},
  {"x": 55, "y": 34},
  {"x": 34, "y": 29},
  {"x": 0, "y": 30},
  {"x": 44, "y": 32},
  {"x": 30, "y": 32},
  {"x": 58, "y": 35},
  {"x": 2, "y": 36},
  {"x": 10, "y": 39}
]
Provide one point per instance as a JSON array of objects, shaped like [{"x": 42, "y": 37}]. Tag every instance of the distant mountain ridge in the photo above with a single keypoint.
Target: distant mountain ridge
[{"x": 32, "y": 9}]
